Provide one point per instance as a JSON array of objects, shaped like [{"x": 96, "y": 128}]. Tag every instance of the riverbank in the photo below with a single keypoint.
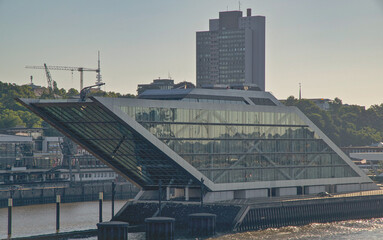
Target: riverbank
[{"x": 81, "y": 192}]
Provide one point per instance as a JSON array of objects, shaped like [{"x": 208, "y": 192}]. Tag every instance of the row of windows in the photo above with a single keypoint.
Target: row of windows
[
  {"x": 200, "y": 146},
  {"x": 234, "y": 33},
  {"x": 239, "y": 45},
  {"x": 231, "y": 78},
  {"x": 278, "y": 174},
  {"x": 222, "y": 131},
  {"x": 90, "y": 175},
  {"x": 236, "y": 37},
  {"x": 231, "y": 41},
  {"x": 231, "y": 49},
  {"x": 153, "y": 114},
  {"x": 233, "y": 57},
  {"x": 214, "y": 101},
  {"x": 258, "y": 160}
]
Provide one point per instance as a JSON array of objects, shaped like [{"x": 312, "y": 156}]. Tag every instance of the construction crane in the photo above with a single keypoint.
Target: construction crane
[
  {"x": 49, "y": 78},
  {"x": 80, "y": 69},
  {"x": 98, "y": 77}
]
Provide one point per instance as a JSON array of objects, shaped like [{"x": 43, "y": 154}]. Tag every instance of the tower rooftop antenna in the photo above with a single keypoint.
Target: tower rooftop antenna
[
  {"x": 98, "y": 77},
  {"x": 300, "y": 91}
]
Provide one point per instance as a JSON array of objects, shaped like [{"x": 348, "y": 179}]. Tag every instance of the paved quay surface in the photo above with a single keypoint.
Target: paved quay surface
[{"x": 276, "y": 200}]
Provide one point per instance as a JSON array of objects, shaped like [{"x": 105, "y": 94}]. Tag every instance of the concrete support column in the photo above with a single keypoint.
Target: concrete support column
[
  {"x": 186, "y": 193},
  {"x": 167, "y": 193}
]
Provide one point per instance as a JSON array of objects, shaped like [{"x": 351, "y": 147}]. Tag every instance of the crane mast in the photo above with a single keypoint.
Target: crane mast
[
  {"x": 49, "y": 78},
  {"x": 98, "y": 77}
]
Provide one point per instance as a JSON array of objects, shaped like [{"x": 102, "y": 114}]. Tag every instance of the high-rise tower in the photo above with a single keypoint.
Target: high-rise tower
[{"x": 232, "y": 51}]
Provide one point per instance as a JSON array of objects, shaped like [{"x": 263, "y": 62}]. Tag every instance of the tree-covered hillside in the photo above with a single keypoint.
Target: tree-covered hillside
[
  {"x": 13, "y": 114},
  {"x": 345, "y": 124}
]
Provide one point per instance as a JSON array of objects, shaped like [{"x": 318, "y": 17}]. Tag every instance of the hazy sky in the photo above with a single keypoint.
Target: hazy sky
[{"x": 333, "y": 47}]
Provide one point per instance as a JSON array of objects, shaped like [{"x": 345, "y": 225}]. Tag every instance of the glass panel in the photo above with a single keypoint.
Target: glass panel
[{"x": 226, "y": 146}]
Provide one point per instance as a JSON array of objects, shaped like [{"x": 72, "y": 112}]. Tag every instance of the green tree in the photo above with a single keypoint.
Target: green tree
[
  {"x": 344, "y": 124},
  {"x": 9, "y": 118},
  {"x": 72, "y": 92}
]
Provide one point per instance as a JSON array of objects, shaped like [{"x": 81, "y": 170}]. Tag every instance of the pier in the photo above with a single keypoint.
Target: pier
[
  {"x": 237, "y": 215},
  {"x": 255, "y": 214}
]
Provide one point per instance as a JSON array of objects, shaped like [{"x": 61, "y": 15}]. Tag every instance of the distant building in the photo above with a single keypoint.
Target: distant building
[
  {"x": 378, "y": 147},
  {"x": 27, "y": 152},
  {"x": 23, "y": 131},
  {"x": 37, "y": 90},
  {"x": 163, "y": 84},
  {"x": 183, "y": 85},
  {"x": 366, "y": 157},
  {"x": 15, "y": 151},
  {"x": 322, "y": 103},
  {"x": 232, "y": 51},
  {"x": 27, "y": 156}
]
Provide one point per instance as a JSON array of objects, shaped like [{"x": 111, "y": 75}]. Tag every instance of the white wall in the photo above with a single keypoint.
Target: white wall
[
  {"x": 347, "y": 188},
  {"x": 218, "y": 196},
  {"x": 286, "y": 191},
  {"x": 254, "y": 193},
  {"x": 369, "y": 186},
  {"x": 314, "y": 189}
]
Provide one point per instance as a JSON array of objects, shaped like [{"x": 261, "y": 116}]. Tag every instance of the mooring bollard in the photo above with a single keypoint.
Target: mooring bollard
[
  {"x": 112, "y": 230},
  {"x": 10, "y": 205},
  {"x": 100, "y": 199},
  {"x": 202, "y": 181},
  {"x": 202, "y": 224},
  {"x": 113, "y": 192},
  {"x": 159, "y": 228},
  {"x": 159, "y": 196},
  {"x": 58, "y": 200}
]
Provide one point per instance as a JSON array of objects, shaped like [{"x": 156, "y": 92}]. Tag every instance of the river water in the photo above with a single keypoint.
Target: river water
[{"x": 41, "y": 219}]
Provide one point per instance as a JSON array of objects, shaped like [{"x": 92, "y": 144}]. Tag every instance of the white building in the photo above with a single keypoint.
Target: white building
[{"x": 237, "y": 144}]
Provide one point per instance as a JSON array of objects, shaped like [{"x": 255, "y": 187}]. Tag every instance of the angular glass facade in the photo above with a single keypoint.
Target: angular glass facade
[
  {"x": 240, "y": 146},
  {"x": 256, "y": 145},
  {"x": 118, "y": 144}
]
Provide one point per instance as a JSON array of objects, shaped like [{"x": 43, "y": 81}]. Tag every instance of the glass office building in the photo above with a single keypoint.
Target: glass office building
[{"x": 241, "y": 143}]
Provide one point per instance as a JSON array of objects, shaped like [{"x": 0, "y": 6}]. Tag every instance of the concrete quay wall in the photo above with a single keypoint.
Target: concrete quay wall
[
  {"x": 294, "y": 213},
  {"x": 135, "y": 213}
]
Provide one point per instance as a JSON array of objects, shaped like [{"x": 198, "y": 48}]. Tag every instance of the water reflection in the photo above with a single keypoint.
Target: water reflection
[
  {"x": 347, "y": 230},
  {"x": 41, "y": 219}
]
